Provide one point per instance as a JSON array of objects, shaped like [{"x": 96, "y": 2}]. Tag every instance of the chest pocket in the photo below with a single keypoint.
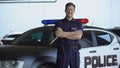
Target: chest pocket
[{"x": 73, "y": 28}]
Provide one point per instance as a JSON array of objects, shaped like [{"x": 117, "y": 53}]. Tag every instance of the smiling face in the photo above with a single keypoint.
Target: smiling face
[{"x": 70, "y": 11}]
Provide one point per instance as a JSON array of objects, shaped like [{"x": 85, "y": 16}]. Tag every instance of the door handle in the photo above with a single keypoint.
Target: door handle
[
  {"x": 94, "y": 51},
  {"x": 116, "y": 48}
]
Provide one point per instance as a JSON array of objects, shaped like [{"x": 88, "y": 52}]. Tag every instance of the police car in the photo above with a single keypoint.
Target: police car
[
  {"x": 37, "y": 48},
  {"x": 115, "y": 30},
  {"x": 8, "y": 38},
  {"x": 1, "y": 43}
]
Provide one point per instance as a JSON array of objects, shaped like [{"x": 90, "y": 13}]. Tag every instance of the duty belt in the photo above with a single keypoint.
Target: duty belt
[{"x": 70, "y": 47}]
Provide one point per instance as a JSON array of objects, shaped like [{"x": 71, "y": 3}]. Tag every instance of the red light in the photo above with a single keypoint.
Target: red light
[
  {"x": 53, "y": 21},
  {"x": 83, "y": 20}
]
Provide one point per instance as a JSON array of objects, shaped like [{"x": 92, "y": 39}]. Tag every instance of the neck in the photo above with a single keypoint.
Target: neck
[{"x": 69, "y": 18}]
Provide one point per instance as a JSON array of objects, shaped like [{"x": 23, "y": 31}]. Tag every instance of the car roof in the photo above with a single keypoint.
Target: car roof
[{"x": 84, "y": 26}]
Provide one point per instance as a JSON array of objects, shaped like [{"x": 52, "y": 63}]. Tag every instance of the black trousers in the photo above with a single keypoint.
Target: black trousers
[{"x": 68, "y": 57}]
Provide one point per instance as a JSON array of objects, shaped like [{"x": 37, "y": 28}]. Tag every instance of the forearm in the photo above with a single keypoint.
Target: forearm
[
  {"x": 65, "y": 34},
  {"x": 74, "y": 36},
  {"x": 62, "y": 34},
  {"x": 71, "y": 35}
]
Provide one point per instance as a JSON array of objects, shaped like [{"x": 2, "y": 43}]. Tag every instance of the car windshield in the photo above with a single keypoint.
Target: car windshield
[{"x": 34, "y": 37}]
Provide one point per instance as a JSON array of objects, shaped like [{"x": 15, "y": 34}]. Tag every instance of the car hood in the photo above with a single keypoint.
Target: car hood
[{"x": 20, "y": 50}]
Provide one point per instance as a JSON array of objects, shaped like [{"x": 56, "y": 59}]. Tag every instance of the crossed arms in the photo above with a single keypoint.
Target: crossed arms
[{"x": 75, "y": 35}]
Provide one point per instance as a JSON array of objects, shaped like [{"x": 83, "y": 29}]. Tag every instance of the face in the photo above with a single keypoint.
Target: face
[{"x": 70, "y": 11}]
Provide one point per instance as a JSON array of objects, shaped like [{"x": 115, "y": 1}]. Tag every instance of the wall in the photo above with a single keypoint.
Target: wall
[{"x": 20, "y": 17}]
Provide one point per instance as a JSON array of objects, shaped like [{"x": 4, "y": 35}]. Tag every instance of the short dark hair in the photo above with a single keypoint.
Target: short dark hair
[{"x": 69, "y": 4}]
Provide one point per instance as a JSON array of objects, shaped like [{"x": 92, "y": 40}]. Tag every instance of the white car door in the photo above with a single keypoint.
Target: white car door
[{"x": 102, "y": 52}]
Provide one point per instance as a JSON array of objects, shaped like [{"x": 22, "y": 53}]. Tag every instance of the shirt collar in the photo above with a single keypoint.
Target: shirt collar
[{"x": 65, "y": 19}]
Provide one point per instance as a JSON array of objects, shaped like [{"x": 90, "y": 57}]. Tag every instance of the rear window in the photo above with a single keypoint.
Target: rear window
[{"x": 103, "y": 38}]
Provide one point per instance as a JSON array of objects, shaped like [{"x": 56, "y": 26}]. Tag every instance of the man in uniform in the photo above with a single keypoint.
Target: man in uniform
[{"x": 69, "y": 32}]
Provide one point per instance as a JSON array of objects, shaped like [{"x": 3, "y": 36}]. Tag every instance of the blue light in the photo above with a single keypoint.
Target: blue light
[
  {"x": 53, "y": 21},
  {"x": 46, "y": 22}
]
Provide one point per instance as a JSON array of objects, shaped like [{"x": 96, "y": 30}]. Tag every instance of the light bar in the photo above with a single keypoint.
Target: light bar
[
  {"x": 46, "y": 22},
  {"x": 81, "y": 20}
]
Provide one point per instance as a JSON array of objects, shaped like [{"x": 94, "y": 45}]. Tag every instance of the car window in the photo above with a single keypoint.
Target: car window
[
  {"x": 33, "y": 37},
  {"x": 52, "y": 37},
  {"x": 103, "y": 38},
  {"x": 36, "y": 36},
  {"x": 86, "y": 40},
  {"x": 29, "y": 38}
]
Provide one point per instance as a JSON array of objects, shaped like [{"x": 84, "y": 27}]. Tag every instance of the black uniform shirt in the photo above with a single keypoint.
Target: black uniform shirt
[{"x": 68, "y": 26}]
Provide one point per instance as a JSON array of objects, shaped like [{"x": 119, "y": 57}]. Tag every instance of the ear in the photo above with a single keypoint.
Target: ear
[{"x": 65, "y": 10}]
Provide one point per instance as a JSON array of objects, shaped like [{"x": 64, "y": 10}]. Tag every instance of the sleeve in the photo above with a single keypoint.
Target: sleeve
[
  {"x": 57, "y": 24},
  {"x": 80, "y": 26}
]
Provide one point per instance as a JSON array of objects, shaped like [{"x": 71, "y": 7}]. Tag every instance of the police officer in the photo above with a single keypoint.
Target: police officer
[{"x": 68, "y": 31}]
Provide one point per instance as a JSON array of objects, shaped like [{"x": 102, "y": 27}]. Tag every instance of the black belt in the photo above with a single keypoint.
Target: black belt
[
  {"x": 70, "y": 46},
  {"x": 61, "y": 46}
]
